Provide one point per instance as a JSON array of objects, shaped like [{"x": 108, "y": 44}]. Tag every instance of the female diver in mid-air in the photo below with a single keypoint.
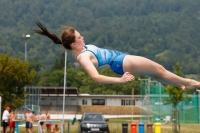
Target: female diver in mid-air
[{"x": 91, "y": 57}]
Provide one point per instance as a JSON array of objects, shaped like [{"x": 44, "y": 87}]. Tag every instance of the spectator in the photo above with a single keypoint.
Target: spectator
[
  {"x": 41, "y": 117},
  {"x": 29, "y": 121},
  {"x": 55, "y": 129},
  {"x": 5, "y": 119},
  {"x": 48, "y": 124},
  {"x": 12, "y": 118}
]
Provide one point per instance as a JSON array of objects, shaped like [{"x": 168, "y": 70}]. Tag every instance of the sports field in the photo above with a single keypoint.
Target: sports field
[{"x": 115, "y": 126}]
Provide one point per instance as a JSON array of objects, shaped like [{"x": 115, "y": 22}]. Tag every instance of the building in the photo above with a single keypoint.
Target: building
[
  {"x": 52, "y": 99},
  {"x": 54, "y": 96}
]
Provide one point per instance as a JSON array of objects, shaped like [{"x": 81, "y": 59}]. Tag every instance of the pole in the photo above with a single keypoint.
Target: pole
[
  {"x": 25, "y": 50},
  {"x": 25, "y": 36},
  {"x": 159, "y": 99},
  {"x": 132, "y": 102},
  {"x": 0, "y": 110},
  {"x": 65, "y": 79},
  {"x": 25, "y": 58},
  {"x": 25, "y": 47},
  {"x": 199, "y": 103}
]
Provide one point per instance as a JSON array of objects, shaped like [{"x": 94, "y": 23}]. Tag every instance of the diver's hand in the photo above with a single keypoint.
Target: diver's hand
[{"x": 127, "y": 77}]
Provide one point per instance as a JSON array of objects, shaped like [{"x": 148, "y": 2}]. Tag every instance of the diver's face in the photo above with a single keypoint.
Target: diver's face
[{"x": 79, "y": 40}]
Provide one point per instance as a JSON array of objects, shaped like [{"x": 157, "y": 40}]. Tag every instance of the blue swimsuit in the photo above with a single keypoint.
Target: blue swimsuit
[{"x": 107, "y": 57}]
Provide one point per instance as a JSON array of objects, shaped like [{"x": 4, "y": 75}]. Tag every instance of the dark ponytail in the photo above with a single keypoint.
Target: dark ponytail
[
  {"x": 45, "y": 32},
  {"x": 67, "y": 36}
]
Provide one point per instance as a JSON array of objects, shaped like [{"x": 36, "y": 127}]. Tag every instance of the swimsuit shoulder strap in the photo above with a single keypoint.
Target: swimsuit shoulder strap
[
  {"x": 87, "y": 48},
  {"x": 79, "y": 54}
]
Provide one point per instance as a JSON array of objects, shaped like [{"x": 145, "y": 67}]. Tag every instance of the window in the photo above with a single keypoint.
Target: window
[
  {"x": 84, "y": 102},
  {"x": 93, "y": 117},
  {"x": 98, "y": 101},
  {"x": 62, "y": 99},
  {"x": 125, "y": 102},
  {"x": 73, "y": 99}
]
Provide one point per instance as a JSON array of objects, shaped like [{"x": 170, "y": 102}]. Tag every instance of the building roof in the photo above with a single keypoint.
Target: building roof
[{"x": 59, "y": 90}]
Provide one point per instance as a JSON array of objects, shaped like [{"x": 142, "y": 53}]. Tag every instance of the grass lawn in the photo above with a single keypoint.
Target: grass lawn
[{"x": 115, "y": 126}]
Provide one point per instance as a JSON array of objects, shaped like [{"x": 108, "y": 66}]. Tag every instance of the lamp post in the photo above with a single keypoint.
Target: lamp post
[
  {"x": 26, "y": 37},
  {"x": 65, "y": 84}
]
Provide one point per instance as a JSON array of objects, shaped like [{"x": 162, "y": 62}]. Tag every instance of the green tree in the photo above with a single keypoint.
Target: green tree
[
  {"x": 176, "y": 95},
  {"x": 37, "y": 67},
  {"x": 14, "y": 76},
  {"x": 54, "y": 78}
]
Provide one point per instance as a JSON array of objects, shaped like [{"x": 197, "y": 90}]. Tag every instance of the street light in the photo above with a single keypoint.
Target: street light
[
  {"x": 26, "y": 37},
  {"x": 65, "y": 84}
]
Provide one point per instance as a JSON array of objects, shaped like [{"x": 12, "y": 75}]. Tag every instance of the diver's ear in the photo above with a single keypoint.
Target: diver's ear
[{"x": 73, "y": 45}]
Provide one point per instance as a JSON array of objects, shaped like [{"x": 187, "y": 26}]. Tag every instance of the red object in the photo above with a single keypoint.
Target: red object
[
  {"x": 133, "y": 128},
  {"x": 48, "y": 125},
  {"x": 12, "y": 124}
]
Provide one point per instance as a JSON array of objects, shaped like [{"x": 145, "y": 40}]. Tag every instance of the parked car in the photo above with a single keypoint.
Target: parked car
[{"x": 93, "y": 122}]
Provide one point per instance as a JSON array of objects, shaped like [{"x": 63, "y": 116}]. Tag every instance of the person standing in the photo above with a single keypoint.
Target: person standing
[
  {"x": 29, "y": 121},
  {"x": 41, "y": 117},
  {"x": 48, "y": 124},
  {"x": 12, "y": 118},
  {"x": 5, "y": 119}
]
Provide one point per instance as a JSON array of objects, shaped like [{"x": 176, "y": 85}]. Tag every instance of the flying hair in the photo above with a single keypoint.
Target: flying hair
[{"x": 45, "y": 32}]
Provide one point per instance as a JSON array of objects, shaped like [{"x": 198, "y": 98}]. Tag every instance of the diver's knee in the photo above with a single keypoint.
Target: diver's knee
[{"x": 161, "y": 70}]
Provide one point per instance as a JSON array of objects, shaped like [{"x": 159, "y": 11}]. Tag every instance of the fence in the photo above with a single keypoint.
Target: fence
[{"x": 154, "y": 106}]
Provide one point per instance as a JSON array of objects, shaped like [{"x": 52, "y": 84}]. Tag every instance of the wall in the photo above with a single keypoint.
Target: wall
[{"x": 112, "y": 110}]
